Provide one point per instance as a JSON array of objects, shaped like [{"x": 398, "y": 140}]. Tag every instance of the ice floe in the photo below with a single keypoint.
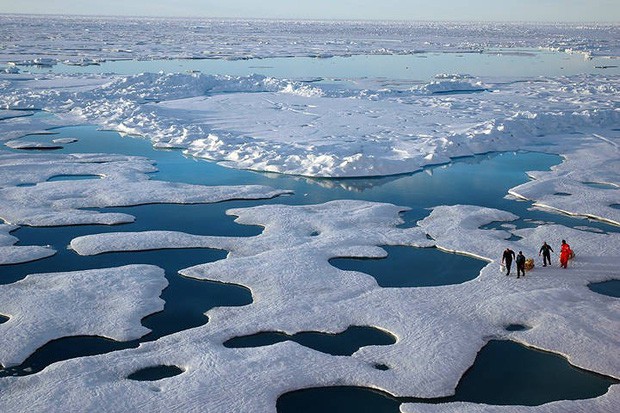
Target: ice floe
[
  {"x": 316, "y": 129},
  {"x": 597, "y": 164},
  {"x": 22, "y": 144},
  {"x": 277, "y": 125},
  {"x": 15, "y": 254},
  {"x": 124, "y": 181},
  {"x": 65, "y": 141},
  {"x": 439, "y": 330},
  {"x": 153, "y": 38},
  {"x": 104, "y": 302}
]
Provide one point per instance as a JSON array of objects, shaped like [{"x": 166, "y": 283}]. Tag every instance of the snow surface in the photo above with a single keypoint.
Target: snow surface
[
  {"x": 15, "y": 254},
  {"x": 326, "y": 129},
  {"x": 124, "y": 182},
  {"x": 106, "y": 302},
  {"x": 605, "y": 403},
  {"x": 314, "y": 129},
  {"x": 22, "y": 144},
  {"x": 86, "y": 40},
  {"x": 439, "y": 330},
  {"x": 65, "y": 141},
  {"x": 598, "y": 164}
]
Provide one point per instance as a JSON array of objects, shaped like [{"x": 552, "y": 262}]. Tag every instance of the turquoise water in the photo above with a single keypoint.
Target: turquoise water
[{"x": 393, "y": 68}]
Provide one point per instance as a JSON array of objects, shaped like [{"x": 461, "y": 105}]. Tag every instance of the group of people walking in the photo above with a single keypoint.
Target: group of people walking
[{"x": 507, "y": 257}]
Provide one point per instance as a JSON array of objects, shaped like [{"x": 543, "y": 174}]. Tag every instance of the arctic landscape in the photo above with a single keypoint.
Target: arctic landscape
[{"x": 289, "y": 216}]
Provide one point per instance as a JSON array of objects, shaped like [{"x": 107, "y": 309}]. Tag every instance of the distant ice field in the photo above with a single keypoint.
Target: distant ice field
[{"x": 86, "y": 40}]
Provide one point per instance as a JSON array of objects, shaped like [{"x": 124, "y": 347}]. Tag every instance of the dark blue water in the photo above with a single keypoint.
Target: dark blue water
[
  {"x": 186, "y": 299},
  {"x": 482, "y": 180},
  {"x": 341, "y": 344},
  {"x": 517, "y": 327},
  {"x": 155, "y": 373},
  {"x": 504, "y": 373},
  {"x": 610, "y": 288},
  {"x": 414, "y": 267}
]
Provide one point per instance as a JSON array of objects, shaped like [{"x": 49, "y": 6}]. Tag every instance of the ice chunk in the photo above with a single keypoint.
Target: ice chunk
[
  {"x": 106, "y": 302},
  {"x": 15, "y": 254},
  {"x": 21, "y": 144},
  {"x": 124, "y": 182}
]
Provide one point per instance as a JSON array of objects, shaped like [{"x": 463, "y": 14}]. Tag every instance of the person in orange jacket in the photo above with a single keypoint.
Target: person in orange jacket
[{"x": 565, "y": 253}]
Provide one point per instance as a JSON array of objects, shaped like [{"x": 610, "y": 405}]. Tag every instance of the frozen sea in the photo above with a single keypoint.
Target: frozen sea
[{"x": 307, "y": 216}]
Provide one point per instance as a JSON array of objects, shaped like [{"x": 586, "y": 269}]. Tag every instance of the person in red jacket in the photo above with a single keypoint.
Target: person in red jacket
[{"x": 565, "y": 253}]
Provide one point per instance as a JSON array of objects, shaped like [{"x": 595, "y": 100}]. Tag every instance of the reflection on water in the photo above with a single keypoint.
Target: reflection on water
[
  {"x": 186, "y": 299},
  {"x": 482, "y": 180},
  {"x": 414, "y": 267}
]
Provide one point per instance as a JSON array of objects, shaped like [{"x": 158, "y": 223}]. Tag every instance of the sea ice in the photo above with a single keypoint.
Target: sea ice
[
  {"x": 64, "y": 141},
  {"x": 153, "y": 38},
  {"x": 13, "y": 126},
  {"x": 439, "y": 330},
  {"x": 8, "y": 114},
  {"x": 597, "y": 163},
  {"x": 124, "y": 181},
  {"x": 15, "y": 254},
  {"x": 277, "y": 125},
  {"x": 106, "y": 302},
  {"x": 22, "y": 144},
  {"x": 314, "y": 129}
]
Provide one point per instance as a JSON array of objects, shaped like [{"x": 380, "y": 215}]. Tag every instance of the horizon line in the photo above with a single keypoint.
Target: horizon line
[{"x": 293, "y": 19}]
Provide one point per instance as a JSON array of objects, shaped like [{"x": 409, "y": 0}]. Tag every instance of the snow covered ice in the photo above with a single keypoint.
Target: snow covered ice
[
  {"x": 14, "y": 254},
  {"x": 110, "y": 303},
  {"x": 300, "y": 277},
  {"x": 334, "y": 128},
  {"x": 278, "y": 125},
  {"x": 124, "y": 181}
]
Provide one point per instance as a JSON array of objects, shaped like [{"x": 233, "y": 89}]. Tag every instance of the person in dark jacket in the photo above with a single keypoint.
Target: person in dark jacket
[
  {"x": 546, "y": 251},
  {"x": 520, "y": 264},
  {"x": 507, "y": 259}
]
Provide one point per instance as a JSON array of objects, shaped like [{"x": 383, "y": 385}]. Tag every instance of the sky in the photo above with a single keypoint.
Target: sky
[{"x": 453, "y": 10}]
